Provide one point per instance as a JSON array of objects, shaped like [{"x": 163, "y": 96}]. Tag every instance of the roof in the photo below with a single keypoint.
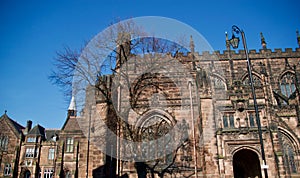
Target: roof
[
  {"x": 71, "y": 124},
  {"x": 51, "y": 133},
  {"x": 17, "y": 128},
  {"x": 72, "y": 105},
  {"x": 37, "y": 131}
]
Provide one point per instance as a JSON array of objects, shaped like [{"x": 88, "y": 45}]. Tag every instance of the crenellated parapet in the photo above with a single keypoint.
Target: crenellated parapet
[{"x": 240, "y": 54}]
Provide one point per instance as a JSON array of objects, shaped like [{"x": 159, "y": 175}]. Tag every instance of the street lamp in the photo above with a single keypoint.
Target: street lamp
[{"x": 234, "y": 41}]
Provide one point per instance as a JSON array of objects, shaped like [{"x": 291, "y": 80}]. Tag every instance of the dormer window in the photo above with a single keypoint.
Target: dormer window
[{"x": 31, "y": 139}]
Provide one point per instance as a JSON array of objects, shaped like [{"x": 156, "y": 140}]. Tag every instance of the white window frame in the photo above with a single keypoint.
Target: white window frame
[
  {"x": 29, "y": 152},
  {"x": 31, "y": 139},
  {"x": 7, "y": 169},
  {"x": 70, "y": 145},
  {"x": 51, "y": 153},
  {"x": 48, "y": 173}
]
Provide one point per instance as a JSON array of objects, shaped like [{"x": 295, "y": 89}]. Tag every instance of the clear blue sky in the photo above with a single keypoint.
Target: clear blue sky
[{"x": 32, "y": 31}]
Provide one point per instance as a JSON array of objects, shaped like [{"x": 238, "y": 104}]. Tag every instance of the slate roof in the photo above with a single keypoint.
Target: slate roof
[
  {"x": 37, "y": 131},
  {"x": 51, "y": 133}
]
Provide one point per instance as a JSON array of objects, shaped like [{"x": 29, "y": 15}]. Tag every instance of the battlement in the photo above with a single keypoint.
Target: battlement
[{"x": 240, "y": 54}]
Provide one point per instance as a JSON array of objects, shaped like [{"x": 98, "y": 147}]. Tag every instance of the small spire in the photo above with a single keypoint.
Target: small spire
[
  {"x": 72, "y": 105},
  {"x": 298, "y": 38},
  {"x": 192, "y": 45},
  {"x": 263, "y": 41},
  {"x": 227, "y": 41}
]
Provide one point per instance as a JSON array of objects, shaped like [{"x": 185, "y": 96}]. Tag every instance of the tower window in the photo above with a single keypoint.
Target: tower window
[{"x": 287, "y": 84}]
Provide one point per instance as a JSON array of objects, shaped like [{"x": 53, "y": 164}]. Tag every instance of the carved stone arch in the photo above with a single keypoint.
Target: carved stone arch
[
  {"x": 292, "y": 138},
  {"x": 246, "y": 162},
  {"x": 153, "y": 112},
  {"x": 256, "y": 150},
  {"x": 220, "y": 78},
  {"x": 283, "y": 73},
  {"x": 255, "y": 76},
  {"x": 279, "y": 125},
  {"x": 290, "y": 151}
]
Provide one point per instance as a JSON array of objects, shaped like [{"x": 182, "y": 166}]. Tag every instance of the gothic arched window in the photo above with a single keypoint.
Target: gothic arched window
[
  {"x": 218, "y": 83},
  {"x": 287, "y": 84},
  {"x": 256, "y": 81},
  {"x": 155, "y": 139},
  {"x": 289, "y": 153},
  {"x": 289, "y": 156}
]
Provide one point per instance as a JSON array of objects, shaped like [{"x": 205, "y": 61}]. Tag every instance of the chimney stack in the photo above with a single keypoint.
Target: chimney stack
[{"x": 28, "y": 126}]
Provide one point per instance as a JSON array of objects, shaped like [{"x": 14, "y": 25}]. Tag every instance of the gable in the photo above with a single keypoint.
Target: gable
[{"x": 7, "y": 125}]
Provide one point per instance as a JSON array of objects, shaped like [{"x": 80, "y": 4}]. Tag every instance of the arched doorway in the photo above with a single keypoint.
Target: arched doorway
[
  {"x": 246, "y": 164},
  {"x": 27, "y": 174}
]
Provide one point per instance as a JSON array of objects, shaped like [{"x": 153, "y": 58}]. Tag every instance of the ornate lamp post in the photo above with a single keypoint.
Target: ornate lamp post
[{"x": 234, "y": 41}]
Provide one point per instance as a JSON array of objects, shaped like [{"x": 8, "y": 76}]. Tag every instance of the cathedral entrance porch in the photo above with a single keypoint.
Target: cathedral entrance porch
[{"x": 246, "y": 164}]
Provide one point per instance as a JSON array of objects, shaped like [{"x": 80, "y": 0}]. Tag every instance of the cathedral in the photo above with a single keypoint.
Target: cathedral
[{"x": 192, "y": 115}]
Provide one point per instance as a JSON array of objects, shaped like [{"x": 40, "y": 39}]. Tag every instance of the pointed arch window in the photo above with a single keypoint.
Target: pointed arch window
[
  {"x": 289, "y": 156},
  {"x": 256, "y": 81},
  {"x": 218, "y": 83},
  {"x": 287, "y": 84},
  {"x": 156, "y": 142}
]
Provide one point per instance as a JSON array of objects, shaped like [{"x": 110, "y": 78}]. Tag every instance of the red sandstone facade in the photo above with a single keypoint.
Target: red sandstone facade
[{"x": 224, "y": 139}]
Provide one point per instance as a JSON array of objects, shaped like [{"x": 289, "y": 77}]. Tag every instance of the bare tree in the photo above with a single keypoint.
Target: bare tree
[{"x": 105, "y": 58}]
